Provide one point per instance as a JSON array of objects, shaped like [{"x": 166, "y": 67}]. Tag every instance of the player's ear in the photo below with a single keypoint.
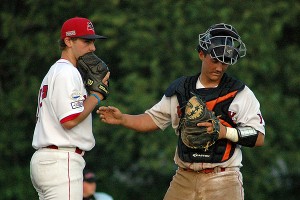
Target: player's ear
[
  {"x": 67, "y": 41},
  {"x": 201, "y": 55}
]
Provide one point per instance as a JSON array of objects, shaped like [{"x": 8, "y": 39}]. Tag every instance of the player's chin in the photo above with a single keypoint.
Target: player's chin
[{"x": 215, "y": 76}]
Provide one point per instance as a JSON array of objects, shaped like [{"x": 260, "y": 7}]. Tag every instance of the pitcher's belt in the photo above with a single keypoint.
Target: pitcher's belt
[{"x": 72, "y": 149}]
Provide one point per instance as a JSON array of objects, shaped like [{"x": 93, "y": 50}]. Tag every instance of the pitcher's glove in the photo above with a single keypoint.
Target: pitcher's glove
[
  {"x": 93, "y": 70},
  {"x": 197, "y": 137}
]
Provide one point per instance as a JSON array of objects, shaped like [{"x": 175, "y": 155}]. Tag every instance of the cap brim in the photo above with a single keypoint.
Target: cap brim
[
  {"x": 92, "y": 37},
  {"x": 90, "y": 180}
]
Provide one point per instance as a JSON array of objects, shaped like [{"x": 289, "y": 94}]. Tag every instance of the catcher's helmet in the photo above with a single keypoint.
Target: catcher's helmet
[{"x": 223, "y": 43}]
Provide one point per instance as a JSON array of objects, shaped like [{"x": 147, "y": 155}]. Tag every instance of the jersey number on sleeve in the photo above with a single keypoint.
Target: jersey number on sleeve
[{"x": 42, "y": 95}]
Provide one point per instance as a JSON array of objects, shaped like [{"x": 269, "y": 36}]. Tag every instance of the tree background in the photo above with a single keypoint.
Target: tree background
[{"x": 151, "y": 43}]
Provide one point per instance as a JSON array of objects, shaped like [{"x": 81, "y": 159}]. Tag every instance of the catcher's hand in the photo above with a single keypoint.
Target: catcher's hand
[
  {"x": 110, "y": 115},
  {"x": 93, "y": 70},
  {"x": 198, "y": 137}
]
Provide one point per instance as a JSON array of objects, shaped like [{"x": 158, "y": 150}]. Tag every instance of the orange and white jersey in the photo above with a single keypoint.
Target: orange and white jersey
[
  {"x": 244, "y": 111},
  {"x": 61, "y": 98}
]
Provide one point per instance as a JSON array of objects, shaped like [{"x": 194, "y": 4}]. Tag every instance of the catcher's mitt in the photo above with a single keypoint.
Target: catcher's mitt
[
  {"x": 93, "y": 70},
  {"x": 193, "y": 136}
]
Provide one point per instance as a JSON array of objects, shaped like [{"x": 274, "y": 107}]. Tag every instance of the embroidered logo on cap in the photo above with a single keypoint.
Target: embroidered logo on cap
[
  {"x": 70, "y": 33},
  {"x": 90, "y": 26}
]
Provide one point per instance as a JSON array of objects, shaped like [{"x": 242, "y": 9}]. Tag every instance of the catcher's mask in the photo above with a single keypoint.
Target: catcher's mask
[{"x": 223, "y": 43}]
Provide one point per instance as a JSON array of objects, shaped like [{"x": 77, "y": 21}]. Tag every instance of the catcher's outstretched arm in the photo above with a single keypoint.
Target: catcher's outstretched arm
[{"x": 140, "y": 123}]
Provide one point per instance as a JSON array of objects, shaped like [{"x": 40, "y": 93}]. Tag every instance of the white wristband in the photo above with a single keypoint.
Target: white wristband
[{"x": 232, "y": 134}]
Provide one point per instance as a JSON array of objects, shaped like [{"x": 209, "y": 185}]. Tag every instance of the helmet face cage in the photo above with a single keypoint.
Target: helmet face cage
[{"x": 223, "y": 43}]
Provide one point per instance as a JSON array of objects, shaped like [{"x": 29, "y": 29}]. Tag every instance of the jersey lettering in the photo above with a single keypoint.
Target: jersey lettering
[
  {"x": 179, "y": 113},
  {"x": 231, "y": 114},
  {"x": 77, "y": 104},
  {"x": 42, "y": 95},
  {"x": 261, "y": 118}
]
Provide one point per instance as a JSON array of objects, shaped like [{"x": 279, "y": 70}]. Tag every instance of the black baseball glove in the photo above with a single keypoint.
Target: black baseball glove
[
  {"x": 193, "y": 136},
  {"x": 93, "y": 70}
]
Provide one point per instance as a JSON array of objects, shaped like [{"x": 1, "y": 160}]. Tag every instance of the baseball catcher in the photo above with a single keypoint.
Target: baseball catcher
[
  {"x": 93, "y": 70},
  {"x": 193, "y": 136}
]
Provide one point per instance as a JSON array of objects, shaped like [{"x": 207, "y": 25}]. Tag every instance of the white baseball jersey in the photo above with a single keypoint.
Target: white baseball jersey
[
  {"x": 61, "y": 98},
  {"x": 244, "y": 110}
]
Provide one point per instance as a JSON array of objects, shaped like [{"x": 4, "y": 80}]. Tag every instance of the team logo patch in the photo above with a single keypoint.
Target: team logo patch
[
  {"x": 76, "y": 96},
  {"x": 77, "y": 100},
  {"x": 90, "y": 26},
  {"x": 90, "y": 82},
  {"x": 71, "y": 33},
  {"x": 77, "y": 104}
]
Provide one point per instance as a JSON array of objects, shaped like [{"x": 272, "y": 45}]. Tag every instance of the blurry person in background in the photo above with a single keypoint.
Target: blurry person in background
[{"x": 90, "y": 186}]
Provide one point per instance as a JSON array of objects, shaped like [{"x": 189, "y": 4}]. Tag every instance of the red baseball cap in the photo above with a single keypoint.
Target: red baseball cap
[{"x": 79, "y": 27}]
